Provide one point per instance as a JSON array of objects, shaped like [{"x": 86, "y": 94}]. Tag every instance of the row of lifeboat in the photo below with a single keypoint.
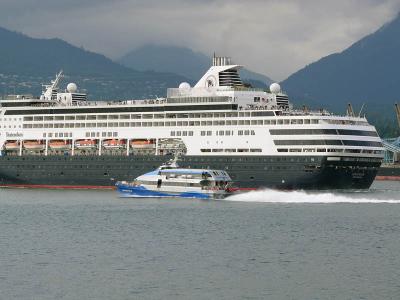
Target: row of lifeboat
[{"x": 79, "y": 144}]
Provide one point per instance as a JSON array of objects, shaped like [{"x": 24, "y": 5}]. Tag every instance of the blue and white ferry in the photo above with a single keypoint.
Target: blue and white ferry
[{"x": 169, "y": 180}]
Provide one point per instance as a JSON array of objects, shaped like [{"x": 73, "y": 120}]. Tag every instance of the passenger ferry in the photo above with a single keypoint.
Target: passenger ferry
[
  {"x": 61, "y": 139},
  {"x": 172, "y": 181}
]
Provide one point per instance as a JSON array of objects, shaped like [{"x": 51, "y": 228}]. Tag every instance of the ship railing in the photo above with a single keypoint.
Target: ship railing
[{"x": 208, "y": 91}]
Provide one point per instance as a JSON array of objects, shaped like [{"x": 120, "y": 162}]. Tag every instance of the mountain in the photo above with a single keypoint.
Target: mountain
[
  {"x": 179, "y": 60},
  {"x": 27, "y": 62},
  {"x": 367, "y": 72}
]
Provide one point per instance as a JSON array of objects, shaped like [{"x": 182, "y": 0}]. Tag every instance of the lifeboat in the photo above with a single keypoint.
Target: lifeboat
[
  {"x": 59, "y": 145},
  {"x": 143, "y": 144},
  {"x": 114, "y": 144},
  {"x": 85, "y": 144},
  {"x": 11, "y": 145},
  {"x": 33, "y": 145}
]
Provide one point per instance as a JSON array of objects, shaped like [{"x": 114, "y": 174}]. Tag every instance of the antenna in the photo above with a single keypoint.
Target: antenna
[
  {"x": 397, "y": 112},
  {"x": 362, "y": 107}
]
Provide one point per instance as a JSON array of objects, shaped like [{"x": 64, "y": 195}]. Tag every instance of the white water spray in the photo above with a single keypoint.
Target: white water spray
[{"x": 273, "y": 196}]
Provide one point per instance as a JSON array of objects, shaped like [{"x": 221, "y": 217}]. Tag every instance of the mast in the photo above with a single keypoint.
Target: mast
[
  {"x": 49, "y": 89},
  {"x": 350, "y": 111}
]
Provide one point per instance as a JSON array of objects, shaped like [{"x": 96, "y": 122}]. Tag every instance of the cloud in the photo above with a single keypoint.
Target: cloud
[{"x": 274, "y": 37}]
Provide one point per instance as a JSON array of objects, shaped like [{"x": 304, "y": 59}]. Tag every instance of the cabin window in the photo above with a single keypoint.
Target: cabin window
[
  {"x": 209, "y": 133},
  {"x": 205, "y": 150},
  {"x": 230, "y": 150}
]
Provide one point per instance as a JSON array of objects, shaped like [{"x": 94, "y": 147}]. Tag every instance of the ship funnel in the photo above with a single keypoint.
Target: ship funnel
[{"x": 221, "y": 61}]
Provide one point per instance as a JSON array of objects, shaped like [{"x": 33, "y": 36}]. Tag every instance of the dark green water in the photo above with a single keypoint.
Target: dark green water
[{"x": 93, "y": 245}]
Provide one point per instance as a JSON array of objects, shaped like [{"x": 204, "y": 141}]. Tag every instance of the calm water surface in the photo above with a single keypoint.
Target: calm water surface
[{"x": 266, "y": 245}]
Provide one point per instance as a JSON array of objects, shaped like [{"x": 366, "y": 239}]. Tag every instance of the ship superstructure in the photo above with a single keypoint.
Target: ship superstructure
[{"x": 62, "y": 139}]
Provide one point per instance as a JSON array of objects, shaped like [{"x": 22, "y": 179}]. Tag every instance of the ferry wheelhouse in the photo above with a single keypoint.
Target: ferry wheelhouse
[{"x": 61, "y": 139}]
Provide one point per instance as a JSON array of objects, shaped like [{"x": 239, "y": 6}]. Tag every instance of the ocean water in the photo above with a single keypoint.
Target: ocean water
[{"x": 260, "y": 245}]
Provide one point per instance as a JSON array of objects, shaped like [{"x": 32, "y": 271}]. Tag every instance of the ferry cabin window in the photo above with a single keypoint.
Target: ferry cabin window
[{"x": 209, "y": 133}]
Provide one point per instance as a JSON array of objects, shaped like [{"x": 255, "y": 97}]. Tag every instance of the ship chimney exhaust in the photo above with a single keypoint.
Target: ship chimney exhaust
[{"x": 221, "y": 60}]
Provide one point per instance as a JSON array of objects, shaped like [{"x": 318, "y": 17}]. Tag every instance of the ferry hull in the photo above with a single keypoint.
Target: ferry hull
[
  {"x": 281, "y": 172},
  {"x": 141, "y": 192}
]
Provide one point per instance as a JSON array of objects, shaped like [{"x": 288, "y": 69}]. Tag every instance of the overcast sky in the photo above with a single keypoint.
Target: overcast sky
[{"x": 274, "y": 37}]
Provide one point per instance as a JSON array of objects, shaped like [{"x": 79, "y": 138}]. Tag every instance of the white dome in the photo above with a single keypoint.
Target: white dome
[
  {"x": 184, "y": 85},
  {"x": 275, "y": 88},
  {"x": 72, "y": 87}
]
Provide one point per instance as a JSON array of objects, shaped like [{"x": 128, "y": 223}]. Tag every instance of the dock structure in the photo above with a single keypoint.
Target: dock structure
[
  {"x": 392, "y": 150},
  {"x": 392, "y": 146}
]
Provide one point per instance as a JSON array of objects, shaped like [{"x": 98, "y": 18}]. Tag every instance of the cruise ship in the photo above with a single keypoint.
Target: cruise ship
[{"x": 62, "y": 140}]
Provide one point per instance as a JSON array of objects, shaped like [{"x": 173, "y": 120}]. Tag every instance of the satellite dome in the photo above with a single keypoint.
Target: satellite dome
[
  {"x": 275, "y": 88},
  {"x": 72, "y": 87},
  {"x": 184, "y": 85}
]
